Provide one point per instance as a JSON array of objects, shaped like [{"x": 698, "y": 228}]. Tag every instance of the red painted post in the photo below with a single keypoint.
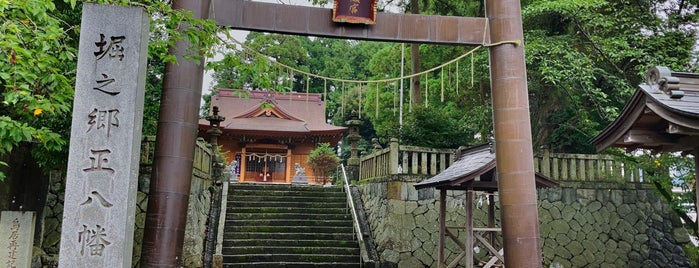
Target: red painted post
[{"x": 513, "y": 136}]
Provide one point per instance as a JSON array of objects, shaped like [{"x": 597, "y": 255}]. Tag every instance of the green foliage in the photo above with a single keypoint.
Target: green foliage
[
  {"x": 255, "y": 70},
  {"x": 169, "y": 26},
  {"x": 455, "y": 110},
  {"x": 154, "y": 87},
  {"x": 692, "y": 253},
  {"x": 36, "y": 75},
  {"x": 666, "y": 171},
  {"x": 585, "y": 58},
  {"x": 443, "y": 127},
  {"x": 321, "y": 56},
  {"x": 38, "y": 47},
  {"x": 323, "y": 160}
]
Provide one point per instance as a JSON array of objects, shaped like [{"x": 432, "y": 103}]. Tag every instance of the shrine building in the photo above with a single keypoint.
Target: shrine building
[{"x": 271, "y": 134}]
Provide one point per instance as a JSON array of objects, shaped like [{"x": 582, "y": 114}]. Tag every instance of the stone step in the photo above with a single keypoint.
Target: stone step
[
  {"x": 232, "y": 259},
  {"x": 294, "y": 265},
  {"x": 287, "y": 216},
  {"x": 289, "y": 236},
  {"x": 239, "y": 194},
  {"x": 246, "y": 192},
  {"x": 284, "y": 187},
  {"x": 248, "y": 250},
  {"x": 289, "y": 243},
  {"x": 288, "y": 210},
  {"x": 288, "y": 222},
  {"x": 288, "y": 229},
  {"x": 315, "y": 204},
  {"x": 287, "y": 198},
  {"x": 277, "y": 225}
]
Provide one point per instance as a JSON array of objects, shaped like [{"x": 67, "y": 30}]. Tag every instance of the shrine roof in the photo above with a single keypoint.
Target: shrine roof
[
  {"x": 474, "y": 168},
  {"x": 663, "y": 115},
  {"x": 266, "y": 112}
]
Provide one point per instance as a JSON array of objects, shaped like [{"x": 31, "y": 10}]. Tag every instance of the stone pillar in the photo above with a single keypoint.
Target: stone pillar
[
  {"x": 394, "y": 154},
  {"x": 353, "y": 137},
  {"x": 16, "y": 237},
  {"x": 105, "y": 140},
  {"x": 217, "y": 169}
]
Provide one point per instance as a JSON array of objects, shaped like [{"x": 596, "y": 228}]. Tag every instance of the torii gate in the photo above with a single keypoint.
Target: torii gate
[{"x": 177, "y": 123}]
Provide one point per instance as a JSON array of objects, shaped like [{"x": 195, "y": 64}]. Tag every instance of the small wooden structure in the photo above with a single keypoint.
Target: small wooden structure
[
  {"x": 473, "y": 170},
  {"x": 662, "y": 115}
]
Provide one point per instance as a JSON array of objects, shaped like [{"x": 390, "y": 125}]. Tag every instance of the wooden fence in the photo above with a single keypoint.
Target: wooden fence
[
  {"x": 412, "y": 160},
  {"x": 402, "y": 159},
  {"x": 203, "y": 156},
  {"x": 585, "y": 167}
]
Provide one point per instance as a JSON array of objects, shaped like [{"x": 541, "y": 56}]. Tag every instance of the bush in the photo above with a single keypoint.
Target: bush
[{"x": 323, "y": 162}]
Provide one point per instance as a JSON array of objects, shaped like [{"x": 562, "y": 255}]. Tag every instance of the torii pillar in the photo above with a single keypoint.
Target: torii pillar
[
  {"x": 513, "y": 138},
  {"x": 174, "y": 152}
]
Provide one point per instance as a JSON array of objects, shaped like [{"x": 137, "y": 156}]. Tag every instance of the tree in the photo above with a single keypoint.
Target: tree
[
  {"x": 154, "y": 87},
  {"x": 255, "y": 68},
  {"x": 323, "y": 162},
  {"x": 666, "y": 171},
  {"x": 38, "y": 47},
  {"x": 36, "y": 77},
  {"x": 585, "y": 58}
]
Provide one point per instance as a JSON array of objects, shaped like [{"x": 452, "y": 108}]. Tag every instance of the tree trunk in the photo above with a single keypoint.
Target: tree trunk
[{"x": 25, "y": 188}]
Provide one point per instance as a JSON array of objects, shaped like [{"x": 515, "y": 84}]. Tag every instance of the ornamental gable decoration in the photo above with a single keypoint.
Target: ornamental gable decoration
[{"x": 355, "y": 11}]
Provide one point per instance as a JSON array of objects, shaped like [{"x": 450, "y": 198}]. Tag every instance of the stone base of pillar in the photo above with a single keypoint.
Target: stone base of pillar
[{"x": 352, "y": 173}]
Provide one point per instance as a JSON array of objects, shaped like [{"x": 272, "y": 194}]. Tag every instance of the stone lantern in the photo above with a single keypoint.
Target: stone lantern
[{"x": 353, "y": 137}]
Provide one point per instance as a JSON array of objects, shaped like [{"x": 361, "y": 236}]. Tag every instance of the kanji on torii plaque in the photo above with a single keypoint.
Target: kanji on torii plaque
[{"x": 355, "y": 11}]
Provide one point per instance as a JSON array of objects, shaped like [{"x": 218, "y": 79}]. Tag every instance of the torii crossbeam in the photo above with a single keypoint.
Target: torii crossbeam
[{"x": 165, "y": 222}]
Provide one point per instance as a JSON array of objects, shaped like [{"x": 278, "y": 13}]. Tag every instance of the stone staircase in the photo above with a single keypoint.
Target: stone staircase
[{"x": 281, "y": 225}]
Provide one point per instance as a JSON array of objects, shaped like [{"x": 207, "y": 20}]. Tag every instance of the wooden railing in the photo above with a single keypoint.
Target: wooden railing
[
  {"x": 147, "y": 150},
  {"x": 402, "y": 159},
  {"x": 585, "y": 167},
  {"x": 203, "y": 155},
  {"x": 412, "y": 160}
]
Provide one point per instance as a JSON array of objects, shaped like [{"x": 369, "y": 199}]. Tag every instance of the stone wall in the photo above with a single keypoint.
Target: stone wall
[
  {"x": 581, "y": 225},
  {"x": 609, "y": 225},
  {"x": 197, "y": 212},
  {"x": 52, "y": 216}
]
